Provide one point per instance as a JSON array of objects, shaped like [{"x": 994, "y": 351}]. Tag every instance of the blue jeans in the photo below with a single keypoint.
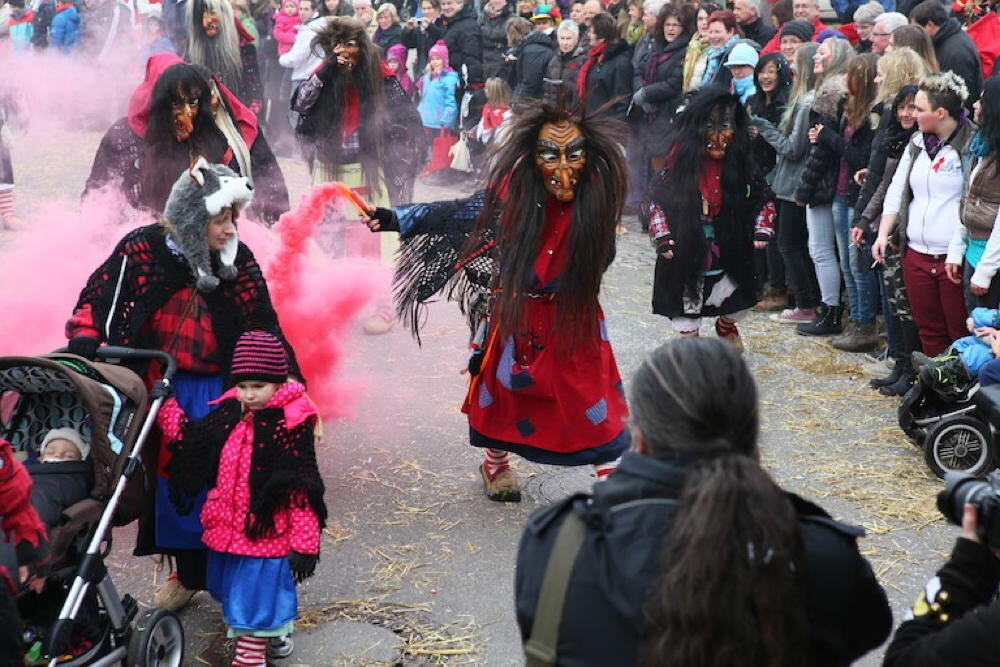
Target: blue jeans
[{"x": 862, "y": 288}]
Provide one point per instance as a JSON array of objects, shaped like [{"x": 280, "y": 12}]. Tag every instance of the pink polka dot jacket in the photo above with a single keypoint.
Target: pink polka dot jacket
[{"x": 265, "y": 495}]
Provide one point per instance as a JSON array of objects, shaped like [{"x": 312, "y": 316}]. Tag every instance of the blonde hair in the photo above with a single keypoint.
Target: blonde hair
[
  {"x": 900, "y": 67},
  {"x": 517, "y": 29},
  {"x": 387, "y": 8},
  {"x": 498, "y": 92},
  {"x": 840, "y": 54},
  {"x": 805, "y": 82}
]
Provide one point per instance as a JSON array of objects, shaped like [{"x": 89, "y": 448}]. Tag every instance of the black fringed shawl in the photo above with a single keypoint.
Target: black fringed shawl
[
  {"x": 283, "y": 466},
  {"x": 433, "y": 237},
  {"x": 152, "y": 273}
]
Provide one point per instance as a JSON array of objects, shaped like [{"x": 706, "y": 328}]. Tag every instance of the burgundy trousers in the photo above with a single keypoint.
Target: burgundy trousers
[{"x": 938, "y": 304}]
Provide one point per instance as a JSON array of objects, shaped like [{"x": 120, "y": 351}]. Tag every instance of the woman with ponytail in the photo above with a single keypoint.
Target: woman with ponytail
[{"x": 690, "y": 555}]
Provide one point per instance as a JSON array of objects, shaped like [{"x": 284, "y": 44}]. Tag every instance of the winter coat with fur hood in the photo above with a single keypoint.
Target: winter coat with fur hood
[
  {"x": 819, "y": 177},
  {"x": 242, "y": 482}
]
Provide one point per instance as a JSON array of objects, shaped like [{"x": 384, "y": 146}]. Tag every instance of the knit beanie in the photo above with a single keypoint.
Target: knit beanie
[
  {"x": 65, "y": 434},
  {"x": 440, "y": 49},
  {"x": 259, "y": 356},
  {"x": 801, "y": 29},
  {"x": 868, "y": 12},
  {"x": 396, "y": 52},
  {"x": 829, "y": 33}
]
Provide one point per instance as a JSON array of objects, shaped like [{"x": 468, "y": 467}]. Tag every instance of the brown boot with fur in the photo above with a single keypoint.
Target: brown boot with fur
[
  {"x": 775, "y": 300},
  {"x": 503, "y": 486}
]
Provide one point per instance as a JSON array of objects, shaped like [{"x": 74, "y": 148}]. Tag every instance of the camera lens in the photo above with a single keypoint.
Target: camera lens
[{"x": 960, "y": 489}]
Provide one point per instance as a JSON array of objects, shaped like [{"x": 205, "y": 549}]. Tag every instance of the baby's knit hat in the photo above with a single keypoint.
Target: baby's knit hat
[
  {"x": 65, "y": 434},
  {"x": 259, "y": 356},
  {"x": 440, "y": 49}
]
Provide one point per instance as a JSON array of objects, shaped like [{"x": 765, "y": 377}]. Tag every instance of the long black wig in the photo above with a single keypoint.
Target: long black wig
[
  {"x": 165, "y": 157},
  {"x": 515, "y": 208},
  {"x": 675, "y": 189},
  {"x": 321, "y": 126}
]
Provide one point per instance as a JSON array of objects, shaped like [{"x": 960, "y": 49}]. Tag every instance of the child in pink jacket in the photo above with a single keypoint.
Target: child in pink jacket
[
  {"x": 264, "y": 511},
  {"x": 286, "y": 25}
]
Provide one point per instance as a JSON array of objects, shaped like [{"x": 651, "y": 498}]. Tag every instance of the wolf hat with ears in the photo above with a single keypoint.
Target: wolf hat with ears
[{"x": 200, "y": 194}]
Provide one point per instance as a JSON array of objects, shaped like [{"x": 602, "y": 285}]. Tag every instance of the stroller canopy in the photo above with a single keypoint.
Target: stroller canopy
[{"x": 104, "y": 402}]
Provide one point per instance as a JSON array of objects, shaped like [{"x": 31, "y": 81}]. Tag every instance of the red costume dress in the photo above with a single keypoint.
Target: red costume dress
[{"x": 531, "y": 396}]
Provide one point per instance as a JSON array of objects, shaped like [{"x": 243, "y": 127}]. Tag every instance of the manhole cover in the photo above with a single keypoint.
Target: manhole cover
[{"x": 557, "y": 483}]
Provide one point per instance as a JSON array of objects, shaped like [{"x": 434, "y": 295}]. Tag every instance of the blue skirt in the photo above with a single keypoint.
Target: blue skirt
[
  {"x": 174, "y": 530},
  {"x": 256, "y": 594}
]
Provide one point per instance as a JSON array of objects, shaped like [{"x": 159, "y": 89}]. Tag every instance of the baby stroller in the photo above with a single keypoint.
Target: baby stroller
[
  {"x": 958, "y": 432},
  {"x": 107, "y": 403}
]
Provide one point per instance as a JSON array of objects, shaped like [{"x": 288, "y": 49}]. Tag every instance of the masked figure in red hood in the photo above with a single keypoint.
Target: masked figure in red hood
[
  {"x": 177, "y": 113},
  {"x": 218, "y": 41},
  {"x": 707, "y": 208}
]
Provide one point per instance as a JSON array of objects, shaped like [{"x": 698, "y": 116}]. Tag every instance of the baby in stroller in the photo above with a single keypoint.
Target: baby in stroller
[
  {"x": 60, "y": 478},
  {"x": 952, "y": 373}
]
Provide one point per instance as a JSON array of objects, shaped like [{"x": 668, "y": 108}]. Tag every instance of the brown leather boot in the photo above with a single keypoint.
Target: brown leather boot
[{"x": 774, "y": 300}]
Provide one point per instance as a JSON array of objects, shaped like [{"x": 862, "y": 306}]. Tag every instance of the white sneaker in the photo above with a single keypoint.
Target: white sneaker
[{"x": 280, "y": 647}]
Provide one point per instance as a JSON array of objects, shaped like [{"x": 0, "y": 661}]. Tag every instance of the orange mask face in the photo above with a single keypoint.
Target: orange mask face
[
  {"x": 560, "y": 157},
  {"x": 348, "y": 53},
  {"x": 184, "y": 110},
  {"x": 210, "y": 22}
]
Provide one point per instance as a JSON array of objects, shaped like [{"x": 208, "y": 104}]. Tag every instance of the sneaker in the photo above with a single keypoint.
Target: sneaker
[
  {"x": 280, "y": 647},
  {"x": 377, "y": 325},
  {"x": 502, "y": 487},
  {"x": 795, "y": 316},
  {"x": 172, "y": 594}
]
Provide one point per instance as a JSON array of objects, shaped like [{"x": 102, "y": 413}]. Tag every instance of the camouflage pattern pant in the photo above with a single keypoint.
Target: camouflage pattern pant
[{"x": 895, "y": 290}]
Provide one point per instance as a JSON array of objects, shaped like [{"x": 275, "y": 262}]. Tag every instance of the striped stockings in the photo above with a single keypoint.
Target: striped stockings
[
  {"x": 250, "y": 652},
  {"x": 602, "y": 470},
  {"x": 7, "y": 205},
  {"x": 725, "y": 326},
  {"x": 497, "y": 460}
]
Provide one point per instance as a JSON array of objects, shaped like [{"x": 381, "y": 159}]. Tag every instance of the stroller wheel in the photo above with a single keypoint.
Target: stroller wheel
[
  {"x": 959, "y": 444},
  {"x": 157, "y": 639}
]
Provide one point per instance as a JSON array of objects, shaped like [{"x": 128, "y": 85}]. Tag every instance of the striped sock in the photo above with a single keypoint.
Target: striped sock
[
  {"x": 725, "y": 327},
  {"x": 7, "y": 205},
  {"x": 497, "y": 460},
  {"x": 250, "y": 652},
  {"x": 602, "y": 470}
]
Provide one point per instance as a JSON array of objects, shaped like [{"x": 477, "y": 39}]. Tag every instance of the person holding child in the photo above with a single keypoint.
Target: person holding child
[{"x": 265, "y": 510}]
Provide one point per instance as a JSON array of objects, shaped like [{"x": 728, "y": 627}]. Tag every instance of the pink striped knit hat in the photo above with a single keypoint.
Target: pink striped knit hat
[{"x": 259, "y": 356}]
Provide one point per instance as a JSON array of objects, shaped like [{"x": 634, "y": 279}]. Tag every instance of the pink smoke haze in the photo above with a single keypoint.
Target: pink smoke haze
[
  {"x": 318, "y": 299},
  {"x": 60, "y": 93},
  {"x": 46, "y": 264}
]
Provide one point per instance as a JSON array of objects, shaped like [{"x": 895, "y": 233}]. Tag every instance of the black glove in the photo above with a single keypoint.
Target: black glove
[
  {"x": 84, "y": 346},
  {"x": 161, "y": 390},
  {"x": 36, "y": 558},
  {"x": 664, "y": 244},
  {"x": 387, "y": 220},
  {"x": 303, "y": 566}
]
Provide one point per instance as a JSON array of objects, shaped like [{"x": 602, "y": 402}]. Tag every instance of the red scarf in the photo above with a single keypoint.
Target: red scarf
[
  {"x": 594, "y": 56},
  {"x": 493, "y": 116},
  {"x": 17, "y": 517}
]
